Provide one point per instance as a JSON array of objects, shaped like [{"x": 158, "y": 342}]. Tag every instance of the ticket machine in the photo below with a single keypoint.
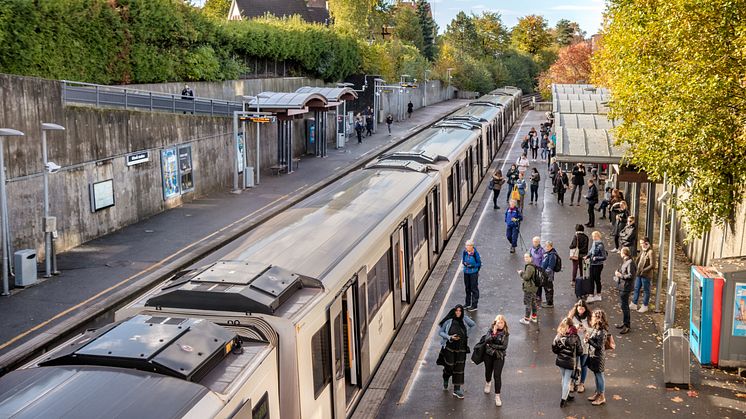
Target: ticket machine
[{"x": 705, "y": 314}]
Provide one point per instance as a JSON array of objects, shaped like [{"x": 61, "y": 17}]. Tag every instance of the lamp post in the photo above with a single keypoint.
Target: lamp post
[
  {"x": 448, "y": 89},
  {"x": 424, "y": 100},
  {"x": 258, "y": 132},
  {"x": 50, "y": 223},
  {"x": 5, "y": 132}
]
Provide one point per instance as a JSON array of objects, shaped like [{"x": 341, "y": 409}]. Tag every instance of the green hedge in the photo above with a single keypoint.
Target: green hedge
[{"x": 141, "y": 41}]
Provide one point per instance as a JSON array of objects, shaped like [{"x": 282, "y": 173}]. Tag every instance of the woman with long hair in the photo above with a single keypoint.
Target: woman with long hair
[
  {"x": 566, "y": 346},
  {"x": 581, "y": 318},
  {"x": 454, "y": 333},
  {"x": 497, "y": 184},
  {"x": 496, "y": 344},
  {"x": 597, "y": 360}
]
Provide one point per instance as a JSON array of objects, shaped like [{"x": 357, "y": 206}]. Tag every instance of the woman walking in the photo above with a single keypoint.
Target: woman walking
[
  {"x": 596, "y": 358},
  {"x": 496, "y": 344},
  {"x": 535, "y": 179},
  {"x": 624, "y": 277},
  {"x": 581, "y": 318},
  {"x": 454, "y": 333},
  {"x": 561, "y": 183},
  {"x": 497, "y": 184},
  {"x": 596, "y": 257},
  {"x": 566, "y": 346},
  {"x": 511, "y": 177},
  {"x": 521, "y": 184}
]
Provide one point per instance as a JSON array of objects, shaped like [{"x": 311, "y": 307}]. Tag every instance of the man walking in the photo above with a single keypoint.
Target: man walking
[
  {"x": 513, "y": 218},
  {"x": 410, "y": 109},
  {"x": 369, "y": 122},
  {"x": 389, "y": 121},
  {"x": 592, "y": 198},
  {"x": 548, "y": 264},
  {"x": 472, "y": 263},
  {"x": 645, "y": 268},
  {"x": 578, "y": 178}
]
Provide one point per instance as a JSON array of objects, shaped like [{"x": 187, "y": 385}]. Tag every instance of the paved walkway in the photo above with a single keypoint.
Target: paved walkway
[
  {"x": 531, "y": 381},
  {"x": 104, "y": 270}
]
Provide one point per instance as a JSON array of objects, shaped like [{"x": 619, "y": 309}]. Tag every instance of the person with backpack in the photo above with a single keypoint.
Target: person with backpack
[
  {"x": 581, "y": 318},
  {"x": 454, "y": 335},
  {"x": 472, "y": 264},
  {"x": 551, "y": 264},
  {"x": 566, "y": 346},
  {"x": 535, "y": 179},
  {"x": 531, "y": 277},
  {"x": 359, "y": 128},
  {"x": 596, "y": 257},
  {"x": 389, "y": 121},
  {"x": 537, "y": 257},
  {"x": 597, "y": 340},
  {"x": 578, "y": 179},
  {"x": 496, "y": 183},
  {"x": 624, "y": 277},
  {"x": 511, "y": 177},
  {"x": 513, "y": 218},
  {"x": 496, "y": 345},
  {"x": 578, "y": 251}
]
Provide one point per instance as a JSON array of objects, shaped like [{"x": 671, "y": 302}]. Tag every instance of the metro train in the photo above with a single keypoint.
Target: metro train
[{"x": 295, "y": 318}]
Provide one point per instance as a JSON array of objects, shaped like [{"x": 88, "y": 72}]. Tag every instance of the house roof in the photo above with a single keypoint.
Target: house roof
[{"x": 309, "y": 11}]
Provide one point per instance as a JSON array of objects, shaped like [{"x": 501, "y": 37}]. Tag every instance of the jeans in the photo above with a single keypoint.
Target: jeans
[
  {"x": 534, "y": 193},
  {"x": 582, "y": 360},
  {"x": 493, "y": 366},
  {"x": 389, "y": 127},
  {"x": 644, "y": 283},
  {"x": 566, "y": 377},
  {"x": 471, "y": 285},
  {"x": 603, "y": 206},
  {"x": 512, "y": 235},
  {"x": 529, "y": 300},
  {"x": 544, "y": 153},
  {"x": 595, "y": 274},
  {"x": 548, "y": 288},
  {"x": 591, "y": 215},
  {"x": 600, "y": 382},
  {"x": 578, "y": 188},
  {"x": 534, "y": 152},
  {"x": 624, "y": 301},
  {"x": 577, "y": 267},
  {"x": 495, "y": 195}
]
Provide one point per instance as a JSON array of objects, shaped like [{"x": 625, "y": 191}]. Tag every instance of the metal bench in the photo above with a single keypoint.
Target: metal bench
[{"x": 276, "y": 169}]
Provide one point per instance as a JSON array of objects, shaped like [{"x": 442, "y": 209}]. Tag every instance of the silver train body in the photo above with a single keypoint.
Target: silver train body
[{"x": 292, "y": 320}]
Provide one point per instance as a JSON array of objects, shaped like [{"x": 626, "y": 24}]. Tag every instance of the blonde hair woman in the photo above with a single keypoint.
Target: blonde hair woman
[
  {"x": 496, "y": 344},
  {"x": 596, "y": 257}
]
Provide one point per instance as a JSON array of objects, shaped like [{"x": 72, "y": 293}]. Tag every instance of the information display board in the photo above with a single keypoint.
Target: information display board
[{"x": 102, "y": 195}]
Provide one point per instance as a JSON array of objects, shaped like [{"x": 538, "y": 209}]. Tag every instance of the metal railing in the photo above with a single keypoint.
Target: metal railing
[{"x": 122, "y": 97}]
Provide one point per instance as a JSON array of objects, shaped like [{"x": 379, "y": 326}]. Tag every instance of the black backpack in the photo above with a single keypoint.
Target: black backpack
[
  {"x": 557, "y": 264},
  {"x": 540, "y": 276}
]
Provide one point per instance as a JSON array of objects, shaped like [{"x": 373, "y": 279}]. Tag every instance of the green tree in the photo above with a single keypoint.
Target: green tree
[
  {"x": 352, "y": 16},
  {"x": 217, "y": 9},
  {"x": 462, "y": 34},
  {"x": 675, "y": 71},
  {"x": 531, "y": 34},
  {"x": 429, "y": 29},
  {"x": 407, "y": 27},
  {"x": 492, "y": 34},
  {"x": 567, "y": 33}
]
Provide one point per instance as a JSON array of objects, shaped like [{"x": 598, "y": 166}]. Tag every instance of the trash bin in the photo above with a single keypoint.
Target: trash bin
[
  {"x": 675, "y": 358},
  {"x": 248, "y": 177},
  {"x": 25, "y": 267}
]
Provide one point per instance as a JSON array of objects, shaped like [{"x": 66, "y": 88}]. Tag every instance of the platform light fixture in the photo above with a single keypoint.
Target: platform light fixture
[{"x": 5, "y": 132}]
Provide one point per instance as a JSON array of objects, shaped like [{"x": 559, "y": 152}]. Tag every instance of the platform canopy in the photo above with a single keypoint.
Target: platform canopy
[
  {"x": 288, "y": 103},
  {"x": 334, "y": 95}
]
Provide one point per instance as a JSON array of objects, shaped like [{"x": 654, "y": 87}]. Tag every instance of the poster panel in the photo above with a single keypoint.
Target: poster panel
[
  {"x": 170, "y": 173},
  {"x": 739, "y": 311}
]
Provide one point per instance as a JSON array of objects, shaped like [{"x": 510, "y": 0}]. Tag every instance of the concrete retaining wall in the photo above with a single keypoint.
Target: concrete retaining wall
[
  {"x": 394, "y": 101},
  {"x": 231, "y": 89},
  {"x": 94, "y": 149}
]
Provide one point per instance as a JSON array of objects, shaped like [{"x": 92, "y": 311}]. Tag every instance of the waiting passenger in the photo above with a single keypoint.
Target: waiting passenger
[
  {"x": 454, "y": 334},
  {"x": 495, "y": 348},
  {"x": 472, "y": 264},
  {"x": 496, "y": 184},
  {"x": 512, "y": 177},
  {"x": 529, "y": 276},
  {"x": 566, "y": 346},
  {"x": 513, "y": 218}
]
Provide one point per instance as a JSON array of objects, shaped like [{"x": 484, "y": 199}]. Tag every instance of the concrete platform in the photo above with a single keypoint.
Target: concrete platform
[
  {"x": 111, "y": 268},
  {"x": 531, "y": 381}
]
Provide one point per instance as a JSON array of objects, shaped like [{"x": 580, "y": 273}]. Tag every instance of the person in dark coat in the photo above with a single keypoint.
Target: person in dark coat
[
  {"x": 591, "y": 199},
  {"x": 596, "y": 257},
  {"x": 561, "y": 183},
  {"x": 548, "y": 263},
  {"x": 454, "y": 334},
  {"x": 566, "y": 346},
  {"x": 472, "y": 263},
  {"x": 596, "y": 358},
  {"x": 578, "y": 179},
  {"x": 581, "y": 318},
  {"x": 529, "y": 290},
  {"x": 580, "y": 242},
  {"x": 369, "y": 123},
  {"x": 513, "y": 218},
  {"x": 625, "y": 277},
  {"x": 389, "y": 121},
  {"x": 621, "y": 212},
  {"x": 496, "y": 345},
  {"x": 535, "y": 179},
  {"x": 359, "y": 129},
  {"x": 512, "y": 178},
  {"x": 410, "y": 109},
  {"x": 496, "y": 184},
  {"x": 628, "y": 235}
]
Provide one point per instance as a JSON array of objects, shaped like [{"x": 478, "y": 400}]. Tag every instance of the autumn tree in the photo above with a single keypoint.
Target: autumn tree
[
  {"x": 407, "y": 26},
  {"x": 573, "y": 65},
  {"x": 352, "y": 16},
  {"x": 675, "y": 69},
  {"x": 567, "y": 33},
  {"x": 217, "y": 9},
  {"x": 531, "y": 34},
  {"x": 492, "y": 35}
]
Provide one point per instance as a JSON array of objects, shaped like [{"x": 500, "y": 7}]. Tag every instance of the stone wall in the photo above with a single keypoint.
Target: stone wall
[{"x": 232, "y": 89}]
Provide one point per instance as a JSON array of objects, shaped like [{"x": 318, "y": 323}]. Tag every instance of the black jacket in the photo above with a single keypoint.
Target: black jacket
[
  {"x": 561, "y": 182},
  {"x": 596, "y": 344},
  {"x": 496, "y": 345},
  {"x": 580, "y": 240},
  {"x": 567, "y": 349},
  {"x": 592, "y": 195},
  {"x": 578, "y": 175},
  {"x": 629, "y": 272},
  {"x": 628, "y": 237}
]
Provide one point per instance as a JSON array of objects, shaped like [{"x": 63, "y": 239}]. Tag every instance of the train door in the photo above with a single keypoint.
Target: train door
[
  {"x": 450, "y": 201},
  {"x": 480, "y": 157},
  {"x": 457, "y": 186},
  {"x": 433, "y": 220},
  {"x": 470, "y": 169},
  {"x": 348, "y": 331},
  {"x": 400, "y": 263},
  {"x": 490, "y": 143},
  {"x": 463, "y": 186}
]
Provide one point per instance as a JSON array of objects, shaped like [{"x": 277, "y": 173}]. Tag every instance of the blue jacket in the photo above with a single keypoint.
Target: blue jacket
[
  {"x": 597, "y": 254},
  {"x": 521, "y": 183},
  {"x": 471, "y": 263},
  {"x": 443, "y": 332},
  {"x": 511, "y": 213},
  {"x": 550, "y": 259}
]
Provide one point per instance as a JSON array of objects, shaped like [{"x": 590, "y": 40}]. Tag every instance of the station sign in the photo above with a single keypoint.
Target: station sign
[
  {"x": 258, "y": 118},
  {"x": 138, "y": 158}
]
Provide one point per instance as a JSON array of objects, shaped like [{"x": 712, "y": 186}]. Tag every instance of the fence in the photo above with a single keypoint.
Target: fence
[{"x": 122, "y": 97}]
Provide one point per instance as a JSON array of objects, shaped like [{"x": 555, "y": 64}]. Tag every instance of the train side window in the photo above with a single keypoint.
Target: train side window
[
  {"x": 420, "y": 230},
  {"x": 261, "y": 410},
  {"x": 450, "y": 188},
  {"x": 379, "y": 284},
  {"x": 321, "y": 358}
]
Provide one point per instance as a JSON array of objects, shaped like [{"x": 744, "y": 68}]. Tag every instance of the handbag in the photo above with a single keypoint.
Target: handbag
[
  {"x": 609, "y": 345},
  {"x": 477, "y": 356},
  {"x": 575, "y": 253},
  {"x": 515, "y": 195},
  {"x": 491, "y": 184},
  {"x": 441, "y": 358},
  {"x": 593, "y": 363}
]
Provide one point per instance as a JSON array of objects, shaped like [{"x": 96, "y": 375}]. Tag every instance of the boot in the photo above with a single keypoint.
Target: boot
[
  {"x": 445, "y": 384},
  {"x": 593, "y": 397},
  {"x": 498, "y": 402},
  {"x": 580, "y": 388},
  {"x": 487, "y": 387},
  {"x": 601, "y": 399}
]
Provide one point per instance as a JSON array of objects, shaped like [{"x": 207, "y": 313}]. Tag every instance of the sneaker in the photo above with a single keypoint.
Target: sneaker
[
  {"x": 624, "y": 330},
  {"x": 598, "y": 298},
  {"x": 632, "y": 306},
  {"x": 547, "y": 305},
  {"x": 471, "y": 308},
  {"x": 580, "y": 388},
  {"x": 498, "y": 402},
  {"x": 467, "y": 307},
  {"x": 512, "y": 249},
  {"x": 487, "y": 387},
  {"x": 524, "y": 321},
  {"x": 458, "y": 393},
  {"x": 535, "y": 319},
  {"x": 614, "y": 250},
  {"x": 643, "y": 309}
]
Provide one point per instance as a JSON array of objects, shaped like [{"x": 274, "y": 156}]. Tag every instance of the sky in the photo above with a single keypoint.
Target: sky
[{"x": 586, "y": 12}]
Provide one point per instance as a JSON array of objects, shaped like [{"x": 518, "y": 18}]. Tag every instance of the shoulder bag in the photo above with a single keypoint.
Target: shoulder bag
[{"x": 575, "y": 253}]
